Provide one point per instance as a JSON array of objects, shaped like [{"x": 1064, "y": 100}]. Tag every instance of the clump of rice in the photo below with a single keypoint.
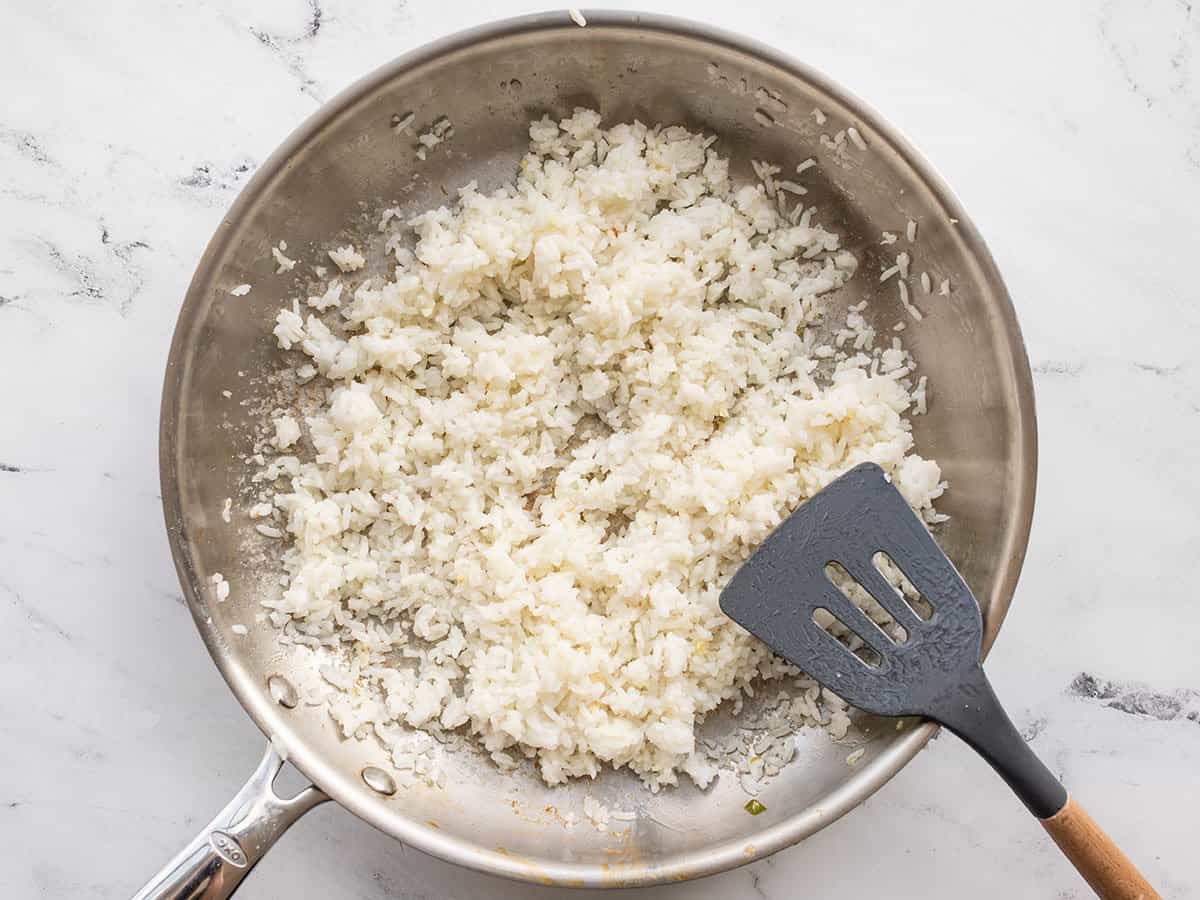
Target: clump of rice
[
  {"x": 347, "y": 258},
  {"x": 596, "y": 812},
  {"x": 548, "y": 441},
  {"x": 401, "y": 123},
  {"x": 283, "y": 263},
  {"x": 437, "y": 133}
]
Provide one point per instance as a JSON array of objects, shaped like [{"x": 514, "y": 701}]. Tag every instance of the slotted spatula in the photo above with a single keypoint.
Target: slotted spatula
[{"x": 935, "y": 672}]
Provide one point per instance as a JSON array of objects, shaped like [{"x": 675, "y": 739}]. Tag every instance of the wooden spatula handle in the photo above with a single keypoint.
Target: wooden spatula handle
[
  {"x": 1100, "y": 861},
  {"x": 981, "y": 721}
]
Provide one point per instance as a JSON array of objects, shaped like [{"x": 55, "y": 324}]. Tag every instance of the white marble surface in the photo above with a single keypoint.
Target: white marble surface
[{"x": 1070, "y": 129}]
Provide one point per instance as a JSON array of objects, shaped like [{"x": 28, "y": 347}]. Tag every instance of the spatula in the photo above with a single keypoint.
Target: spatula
[{"x": 934, "y": 672}]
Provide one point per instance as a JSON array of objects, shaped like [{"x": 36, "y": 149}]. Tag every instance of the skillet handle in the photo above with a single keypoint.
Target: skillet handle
[
  {"x": 213, "y": 865},
  {"x": 1093, "y": 853}
]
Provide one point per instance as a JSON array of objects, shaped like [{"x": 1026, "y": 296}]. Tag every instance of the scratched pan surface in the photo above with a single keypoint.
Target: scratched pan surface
[{"x": 331, "y": 178}]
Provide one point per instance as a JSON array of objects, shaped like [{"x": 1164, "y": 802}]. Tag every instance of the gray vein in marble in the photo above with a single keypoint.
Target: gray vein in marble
[
  {"x": 51, "y": 549},
  {"x": 1062, "y": 756},
  {"x": 1059, "y": 367},
  {"x": 120, "y": 288},
  {"x": 79, "y": 268},
  {"x": 26, "y": 145},
  {"x": 30, "y": 197},
  {"x": 216, "y": 181},
  {"x": 124, "y": 251},
  {"x": 32, "y": 615},
  {"x": 122, "y": 248},
  {"x": 1030, "y": 732},
  {"x": 1138, "y": 699},
  {"x": 1159, "y": 370},
  {"x": 1075, "y": 368},
  {"x": 754, "y": 879},
  {"x": 1105, "y": 25},
  {"x": 386, "y": 885},
  {"x": 400, "y": 887},
  {"x": 954, "y": 820},
  {"x": 288, "y": 49},
  {"x": 1164, "y": 81}
]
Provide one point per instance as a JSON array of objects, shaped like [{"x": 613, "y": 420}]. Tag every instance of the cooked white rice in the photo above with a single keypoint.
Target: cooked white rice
[
  {"x": 282, "y": 262},
  {"x": 439, "y": 132},
  {"x": 552, "y": 436},
  {"x": 347, "y": 258},
  {"x": 401, "y": 123}
]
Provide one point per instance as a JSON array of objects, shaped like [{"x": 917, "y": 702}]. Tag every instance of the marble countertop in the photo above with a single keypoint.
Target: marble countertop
[{"x": 1071, "y": 130}]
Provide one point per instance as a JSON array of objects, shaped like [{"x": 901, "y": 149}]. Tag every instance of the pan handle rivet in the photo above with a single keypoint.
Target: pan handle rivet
[
  {"x": 379, "y": 781},
  {"x": 282, "y": 691}
]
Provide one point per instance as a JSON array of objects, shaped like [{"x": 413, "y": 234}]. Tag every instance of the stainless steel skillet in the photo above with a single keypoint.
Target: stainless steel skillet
[{"x": 330, "y": 178}]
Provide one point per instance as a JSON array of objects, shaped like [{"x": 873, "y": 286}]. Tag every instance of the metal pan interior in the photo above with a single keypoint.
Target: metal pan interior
[{"x": 332, "y": 177}]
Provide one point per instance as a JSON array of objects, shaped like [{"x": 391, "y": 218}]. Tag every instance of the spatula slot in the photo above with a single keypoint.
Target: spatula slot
[
  {"x": 891, "y": 571},
  {"x": 858, "y": 594},
  {"x": 837, "y": 630}
]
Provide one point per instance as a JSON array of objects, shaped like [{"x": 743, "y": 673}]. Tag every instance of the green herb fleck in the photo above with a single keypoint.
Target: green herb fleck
[{"x": 754, "y": 807}]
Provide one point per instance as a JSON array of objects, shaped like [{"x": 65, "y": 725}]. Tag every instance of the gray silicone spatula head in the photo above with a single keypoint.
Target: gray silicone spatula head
[
  {"x": 777, "y": 593},
  {"x": 932, "y": 671}
]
